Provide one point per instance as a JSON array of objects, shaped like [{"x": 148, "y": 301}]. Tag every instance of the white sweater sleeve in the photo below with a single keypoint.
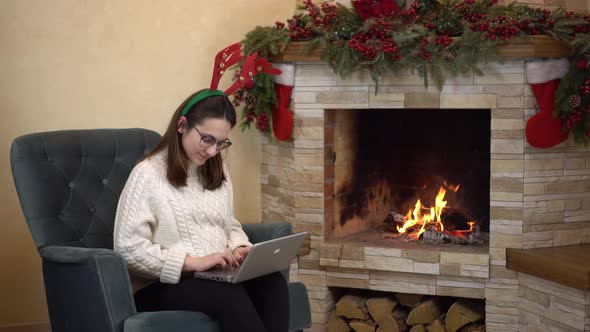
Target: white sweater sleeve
[
  {"x": 236, "y": 237},
  {"x": 134, "y": 223}
]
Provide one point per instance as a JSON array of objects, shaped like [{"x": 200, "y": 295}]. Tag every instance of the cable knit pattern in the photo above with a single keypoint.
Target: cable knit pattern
[{"x": 157, "y": 225}]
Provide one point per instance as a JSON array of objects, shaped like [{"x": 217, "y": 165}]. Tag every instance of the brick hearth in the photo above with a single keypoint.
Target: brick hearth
[{"x": 538, "y": 198}]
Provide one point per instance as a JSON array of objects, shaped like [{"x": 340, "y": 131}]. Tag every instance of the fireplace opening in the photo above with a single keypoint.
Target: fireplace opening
[{"x": 412, "y": 175}]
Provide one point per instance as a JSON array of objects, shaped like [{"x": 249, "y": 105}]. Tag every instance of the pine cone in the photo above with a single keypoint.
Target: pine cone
[{"x": 574, "y": 101}]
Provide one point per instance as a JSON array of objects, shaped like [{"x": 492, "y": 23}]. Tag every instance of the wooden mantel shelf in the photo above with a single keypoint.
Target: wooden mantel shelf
[
  {"x": 567, "y": 265},
  {"x": 535, "y": 47}
]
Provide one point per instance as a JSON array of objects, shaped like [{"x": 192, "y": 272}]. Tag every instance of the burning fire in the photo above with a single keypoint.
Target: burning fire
[{"x": 416, "y": 217}]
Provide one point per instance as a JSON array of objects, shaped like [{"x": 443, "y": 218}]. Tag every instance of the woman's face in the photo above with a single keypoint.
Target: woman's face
[{"x": 201, "y": 141}]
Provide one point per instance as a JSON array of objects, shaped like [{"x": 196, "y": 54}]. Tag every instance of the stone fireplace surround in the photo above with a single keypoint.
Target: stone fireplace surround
[{"x": 538, "y": 198}]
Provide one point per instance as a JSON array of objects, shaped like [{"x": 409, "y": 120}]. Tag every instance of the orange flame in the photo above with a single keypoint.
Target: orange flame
[{"x": 415, "y": 217}]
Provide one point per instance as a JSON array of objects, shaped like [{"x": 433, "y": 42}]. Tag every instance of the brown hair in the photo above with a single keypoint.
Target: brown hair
[{"x": 211, "y": 173}]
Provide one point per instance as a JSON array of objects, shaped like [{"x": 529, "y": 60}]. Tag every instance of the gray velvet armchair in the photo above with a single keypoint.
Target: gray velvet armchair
[{"x": 68, "y": 184}]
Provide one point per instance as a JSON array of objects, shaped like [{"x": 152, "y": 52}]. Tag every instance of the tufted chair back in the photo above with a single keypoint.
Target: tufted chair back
[{"x": 69, "y": 182}]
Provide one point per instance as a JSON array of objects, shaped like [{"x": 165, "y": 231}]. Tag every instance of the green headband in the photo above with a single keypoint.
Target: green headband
[{"x": 200, "y": 96}]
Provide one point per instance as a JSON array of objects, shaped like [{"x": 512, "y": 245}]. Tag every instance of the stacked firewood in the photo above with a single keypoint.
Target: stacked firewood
[{"x": 406, "y": 312}]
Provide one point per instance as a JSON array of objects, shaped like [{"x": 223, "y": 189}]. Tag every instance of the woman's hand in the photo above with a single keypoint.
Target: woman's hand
[
  {"x": 241, "y": 252},
  {"x": 223, "y": 259}
]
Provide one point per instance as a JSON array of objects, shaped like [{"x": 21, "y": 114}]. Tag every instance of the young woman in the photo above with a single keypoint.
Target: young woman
[{"x": 176, "y": 215}]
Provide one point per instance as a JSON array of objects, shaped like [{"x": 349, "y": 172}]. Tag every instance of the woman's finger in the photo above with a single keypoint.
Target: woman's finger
[
  {"x": 234, "y": 259},
  {"x": 228, "y": 258}
]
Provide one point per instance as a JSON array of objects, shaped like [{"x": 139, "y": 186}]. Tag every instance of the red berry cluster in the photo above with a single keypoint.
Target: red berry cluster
[
  {"x": 314, "y": 12},
  {"x": 573, "y": 119},
  {"x": 472, "y": 17},
  {"x": 493, "y": 27},
  {"x": 582, "y": 28},
  {"x": 262, "y": 121},
  {"x": 411, "y": 14},
  {"x": 480, "y": 26},
  {"x": 582, "y": 64},
  {"x": 250, "y": 103},
  {"x": 390, "y": 48},
  {"x": 361, "y": 44},
  {"x": 373, "y": 9},
  {"x": 503, "y": 31},
  {"x": 238, "y": 97},
  {"x": 279, "y": 25},
  {"x": 374, "y": 40},
  {"x": 528, "y": 27},
  {"x": 443, "y": 41},
  {"x": 297, "y": 28},
  {"x": 330, "y": 14},
  {"x": 537, "y": 24},
  {"x": 250, "y": 116},
  {"x": 324, "y": 17},
  {"x": 424, "y": 54}
]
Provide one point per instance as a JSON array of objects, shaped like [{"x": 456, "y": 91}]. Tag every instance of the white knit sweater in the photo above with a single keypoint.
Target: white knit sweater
[{"x": 157, "y": 225}]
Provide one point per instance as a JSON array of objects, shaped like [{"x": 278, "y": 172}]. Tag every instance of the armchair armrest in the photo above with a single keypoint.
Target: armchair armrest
[
  {"x": 267, "y": 231},
  {"x": 75, "y": 276}
]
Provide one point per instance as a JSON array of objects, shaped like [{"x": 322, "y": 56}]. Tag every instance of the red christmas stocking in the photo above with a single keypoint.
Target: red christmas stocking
[
  {"x": 543, "y": 130},
  {"x": 282, "y": 117}
]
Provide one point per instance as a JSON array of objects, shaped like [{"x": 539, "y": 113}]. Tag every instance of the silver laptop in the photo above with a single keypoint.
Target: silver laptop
[{"x": 263, "y": 258}]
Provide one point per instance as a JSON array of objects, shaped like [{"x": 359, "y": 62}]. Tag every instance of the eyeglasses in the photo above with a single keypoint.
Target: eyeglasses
[{"x": 208, "y": 141}]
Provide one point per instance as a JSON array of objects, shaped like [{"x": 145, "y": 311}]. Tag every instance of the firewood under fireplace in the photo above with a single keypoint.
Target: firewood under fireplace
[{"x": 406, "y": 312}]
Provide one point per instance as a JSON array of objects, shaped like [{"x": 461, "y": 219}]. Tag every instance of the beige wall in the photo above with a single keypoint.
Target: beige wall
[{"x": 107, "y": 63}]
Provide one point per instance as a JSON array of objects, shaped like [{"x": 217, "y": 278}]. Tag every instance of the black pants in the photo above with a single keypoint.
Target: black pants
[{"x": 256, "y": 305}]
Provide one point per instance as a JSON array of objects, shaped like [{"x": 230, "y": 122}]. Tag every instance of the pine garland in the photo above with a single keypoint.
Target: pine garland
[{"x": 435, "y": 39}]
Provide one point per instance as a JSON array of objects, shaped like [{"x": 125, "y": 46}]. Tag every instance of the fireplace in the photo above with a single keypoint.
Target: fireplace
[
  {"x": 521, "y": 196},
  {"x": 418, "y": 174}
]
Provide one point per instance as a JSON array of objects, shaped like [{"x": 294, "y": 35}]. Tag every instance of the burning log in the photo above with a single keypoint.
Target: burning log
[
  {"x": 393, "y": 220},
  {"x": 435, "y": 224},
  {"x": 463, "y": 312},
  {"x": 433, "y": 236},
  {"x": 437, "y": 237},
  {"x": 456, "y": 219}
]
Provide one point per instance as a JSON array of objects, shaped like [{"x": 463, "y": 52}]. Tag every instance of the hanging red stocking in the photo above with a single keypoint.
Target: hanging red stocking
[
  {"x": 282, "y": 117},
  {"x": 543, "y": 130}
]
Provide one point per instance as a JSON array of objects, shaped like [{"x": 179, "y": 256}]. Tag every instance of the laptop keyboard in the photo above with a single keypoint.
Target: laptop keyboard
[{"x": 222, "y": 271}]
